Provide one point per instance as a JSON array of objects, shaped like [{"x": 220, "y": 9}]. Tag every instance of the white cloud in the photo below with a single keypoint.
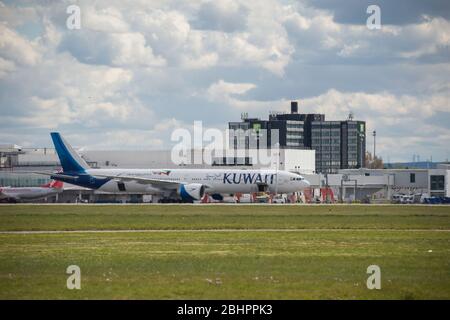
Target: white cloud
[
  {"x": 425, "y": 38},
  {"x": 319, "y": 31},
  {"x": 225, "y": 90},
  {"x": 104, "y": 19},
  {"x": 223, "y": 15},
  {"x": 261, "y": 43},
  {"x": 383, "y": 105},
  {"x": 51, "y": 37},
  {"x": 6, "y": 66},
  {"x": 48, "y": 113},
  {"x": 14, "y": 16},
  {"x": 131, "y": 49},
  {"x": 231, "y": 94},
  {"x": 139, "y": 68},
  {"x": 16, "y": 48}
]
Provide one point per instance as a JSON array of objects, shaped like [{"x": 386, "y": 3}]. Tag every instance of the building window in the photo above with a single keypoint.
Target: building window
[
  {"x": 437, "y": 182},
  {"x": 412, "y": 178}
]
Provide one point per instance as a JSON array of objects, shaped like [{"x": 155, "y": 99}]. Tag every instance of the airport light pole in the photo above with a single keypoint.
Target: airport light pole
[
  {"x": 361, "y": 140},
  {"x": 374, "y": 133}
]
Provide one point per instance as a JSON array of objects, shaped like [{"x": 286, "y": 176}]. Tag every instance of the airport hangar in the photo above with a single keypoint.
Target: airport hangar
[{"x": 378, "y": 185}]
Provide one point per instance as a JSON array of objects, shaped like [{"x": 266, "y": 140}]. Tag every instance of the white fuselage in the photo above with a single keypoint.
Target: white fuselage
[
  {"x": 215, "y": 180},
  {"x": 27, "y": 193}
]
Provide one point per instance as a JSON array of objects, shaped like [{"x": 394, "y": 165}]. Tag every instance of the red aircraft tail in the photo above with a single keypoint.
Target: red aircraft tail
[{"x": 53, "y": 184}]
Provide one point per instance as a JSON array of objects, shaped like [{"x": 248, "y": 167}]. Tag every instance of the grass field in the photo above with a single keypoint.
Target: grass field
[{"x": 225, "y": 252}]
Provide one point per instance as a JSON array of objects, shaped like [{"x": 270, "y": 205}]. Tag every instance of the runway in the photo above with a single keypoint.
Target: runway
[{"x": 31, "y": 232}]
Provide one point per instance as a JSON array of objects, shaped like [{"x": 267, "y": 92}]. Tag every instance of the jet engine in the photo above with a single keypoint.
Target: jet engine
[{"x": 192, "y": 191}]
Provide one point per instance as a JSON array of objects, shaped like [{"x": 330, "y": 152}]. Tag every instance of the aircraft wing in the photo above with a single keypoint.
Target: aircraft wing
[
  {"x": 56, "y": 175},
  {"x": 167, "y": 184}
]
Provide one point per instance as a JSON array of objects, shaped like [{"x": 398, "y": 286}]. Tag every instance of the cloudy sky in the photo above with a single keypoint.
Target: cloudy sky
[{"x": 136, "y": 70}]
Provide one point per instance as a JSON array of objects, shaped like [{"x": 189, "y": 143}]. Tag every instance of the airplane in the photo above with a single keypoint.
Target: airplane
[
  {"x": 186, "y": 185},
  {"x": 11, "y": 194}
]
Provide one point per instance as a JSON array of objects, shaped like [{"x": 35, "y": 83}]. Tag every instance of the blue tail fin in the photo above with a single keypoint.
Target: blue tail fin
[{"x": 70, "y": 160}]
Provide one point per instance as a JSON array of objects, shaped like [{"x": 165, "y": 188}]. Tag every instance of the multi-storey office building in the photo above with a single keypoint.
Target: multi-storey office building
[{"x": 338, "y": 144}]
